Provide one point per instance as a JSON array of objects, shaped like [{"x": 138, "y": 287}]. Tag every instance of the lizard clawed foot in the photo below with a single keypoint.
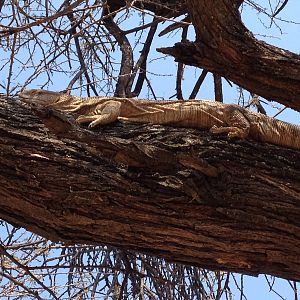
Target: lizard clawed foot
[
  {"x": 93, "y": 124},
  {"x": 216, "y": 129},
  {"x": 234, "y": 135},
  {"x": 232, "y": 132}
]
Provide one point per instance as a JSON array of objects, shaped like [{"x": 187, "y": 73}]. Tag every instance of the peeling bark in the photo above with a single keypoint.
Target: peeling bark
[
  {"x": 177, "y": 193},
  {"x": 226, "y": 47}
]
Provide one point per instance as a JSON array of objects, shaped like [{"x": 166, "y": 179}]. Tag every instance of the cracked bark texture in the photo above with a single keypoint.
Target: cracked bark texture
[
  {"x": 177, "y": 193},
  {"x": 226, "y": 47}
]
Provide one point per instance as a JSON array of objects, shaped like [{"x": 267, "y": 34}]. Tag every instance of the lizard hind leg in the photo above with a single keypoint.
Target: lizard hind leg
[
  {"x": 104, "y": 113},
  {"x": 239, "y": 126}
]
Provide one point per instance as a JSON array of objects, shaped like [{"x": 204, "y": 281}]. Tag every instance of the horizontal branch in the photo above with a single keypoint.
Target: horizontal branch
[{"x": 177, "y": 193}]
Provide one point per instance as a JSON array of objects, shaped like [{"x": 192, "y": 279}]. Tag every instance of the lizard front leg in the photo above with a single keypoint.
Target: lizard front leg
[
  {"x": 239, "y": 126},
  {"x": 104, "y": 113}
]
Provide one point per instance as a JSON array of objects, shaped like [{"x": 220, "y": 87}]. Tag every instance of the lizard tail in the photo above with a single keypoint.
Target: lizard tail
[{"x": 280, "y": 133}]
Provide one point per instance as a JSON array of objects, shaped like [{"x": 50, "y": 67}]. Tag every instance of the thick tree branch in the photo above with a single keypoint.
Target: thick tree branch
[
  {"x": 224, "y": 46},
  {"x": 178, "y": 193}
]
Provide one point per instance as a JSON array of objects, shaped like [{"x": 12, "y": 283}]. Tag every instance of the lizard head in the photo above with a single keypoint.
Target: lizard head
[{"x": 39, "y": 97}]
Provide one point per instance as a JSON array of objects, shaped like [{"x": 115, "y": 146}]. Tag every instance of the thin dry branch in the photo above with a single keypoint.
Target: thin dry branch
[
  {"x": 141, "y": 65},
  {"x": 126, "y": 67},
  {"x": 21, "y": 266},
  {"x": 74, "y": 24},
  {"x": 198, "y": 84}
]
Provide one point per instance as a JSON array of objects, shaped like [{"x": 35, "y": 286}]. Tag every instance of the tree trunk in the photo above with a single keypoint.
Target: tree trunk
[
  {"x": 226, "y": 47},
  {"x": 177, "y": 193}
]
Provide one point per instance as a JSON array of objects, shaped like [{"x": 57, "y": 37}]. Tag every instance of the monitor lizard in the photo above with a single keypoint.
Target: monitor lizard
[{"x": 235, "y": 121}]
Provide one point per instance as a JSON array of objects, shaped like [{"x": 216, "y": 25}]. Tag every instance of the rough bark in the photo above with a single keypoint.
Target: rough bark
[
  {"x": 226, "y": 47},
  {"x": 177, "y": 193}
]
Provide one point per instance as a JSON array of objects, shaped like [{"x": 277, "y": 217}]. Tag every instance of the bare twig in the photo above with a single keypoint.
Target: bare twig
[
  {"x": 141, "y": 65},
  {"x": 280, "y": 8},
  {"x": 18, "y": 283},
  {"x": 127, "y": 55},
  {"x": 180, "y": 68},
  {"x": 25, "y": 269}
]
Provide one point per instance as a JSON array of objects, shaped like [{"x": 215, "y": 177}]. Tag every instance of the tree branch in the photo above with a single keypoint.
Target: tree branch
[
  {"x": 177, "y": 193},
  {"x": 225, "y": 47},
  {"x": 140, "y": 67},
  {"x": 73, "y": 32},
  {"x": 127, "y": 55}
]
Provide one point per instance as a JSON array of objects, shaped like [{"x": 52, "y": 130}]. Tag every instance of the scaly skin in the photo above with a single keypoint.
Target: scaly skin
[{"x": 234, "y": 120}]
